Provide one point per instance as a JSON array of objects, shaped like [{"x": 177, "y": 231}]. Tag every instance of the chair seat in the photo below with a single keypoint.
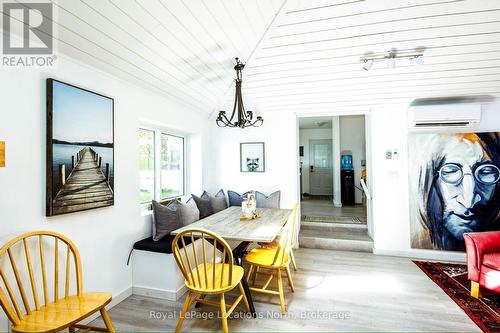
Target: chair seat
[
  {"x": 492, "y": 260},
  {"x": 207, "y": 286},
  {"x": 264, "y": 256},
  {"x": 57, "y": 316}
]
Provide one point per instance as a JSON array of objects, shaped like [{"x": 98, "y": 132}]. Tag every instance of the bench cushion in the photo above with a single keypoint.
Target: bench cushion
[{"x": 164, "y": 245}]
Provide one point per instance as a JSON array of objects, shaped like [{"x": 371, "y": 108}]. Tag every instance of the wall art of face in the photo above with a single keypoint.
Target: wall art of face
[
  {"x": 252, "y": 164},
  {"x": 466, "y": 182},
  {"x": 458, "y": 188}
]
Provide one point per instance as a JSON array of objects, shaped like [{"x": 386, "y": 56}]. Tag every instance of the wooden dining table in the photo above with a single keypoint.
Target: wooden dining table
[{"x": 228, "y": 225}]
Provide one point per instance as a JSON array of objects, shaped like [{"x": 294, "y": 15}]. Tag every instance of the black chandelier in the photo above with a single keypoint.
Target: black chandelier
[{"x": 245, "y": 118}]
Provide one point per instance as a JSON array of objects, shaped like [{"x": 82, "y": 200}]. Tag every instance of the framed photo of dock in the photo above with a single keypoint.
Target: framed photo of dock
[{"x": 80, "y": 149}]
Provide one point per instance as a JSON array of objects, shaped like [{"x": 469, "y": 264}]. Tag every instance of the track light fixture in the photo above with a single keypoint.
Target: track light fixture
[
  {"x": 415, "y": 56},
  {"x": 391, "y": 59},
  {"x": 368, "y": 63},
  {"x": 417, "y": 60}
]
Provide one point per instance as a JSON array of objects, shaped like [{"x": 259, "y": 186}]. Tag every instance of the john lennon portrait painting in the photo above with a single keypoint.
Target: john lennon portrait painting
[
  {"x": 454, "y": 188},
  {"x": 80, "y": 149}
]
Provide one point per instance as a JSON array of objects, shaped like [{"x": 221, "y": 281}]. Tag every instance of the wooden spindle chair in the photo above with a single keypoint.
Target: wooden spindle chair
[
  {"x": 206, "y": 273},
  {"x": 295, "y": 228},
  {"x": 273, "y": 260},
  {"x": 295, "y": 236},
  {"x": 52, "y": 306}
]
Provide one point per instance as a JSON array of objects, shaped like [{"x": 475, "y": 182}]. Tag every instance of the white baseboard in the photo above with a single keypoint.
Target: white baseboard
[
  {"x": 171, "y": 295},
  {"x": 118, "y": 298},
  {"x": 423, "y": 254}
]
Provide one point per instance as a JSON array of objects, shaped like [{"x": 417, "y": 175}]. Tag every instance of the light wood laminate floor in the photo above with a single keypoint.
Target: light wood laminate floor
[
  {"x": 322, "y": 207},
  {"x": 372, "y": 293}
]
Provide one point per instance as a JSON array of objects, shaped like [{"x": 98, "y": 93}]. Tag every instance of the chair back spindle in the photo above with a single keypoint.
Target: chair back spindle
[
  {"x": 56, "y": 270},
  {"x": 18, "y": 265},
  {"x": 286, "y": 239},
  {"x": 295, "y": 227},
  {"x": 193, "y": 259}
]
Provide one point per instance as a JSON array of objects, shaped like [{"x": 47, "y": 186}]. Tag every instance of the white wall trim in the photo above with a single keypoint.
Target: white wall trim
[
  {"x": 171, "y": 295},
  {"x": 337, "y": 200},
  {"x": 369, "y": 173},
  {"x": 333, "y": 113},
  {"x": 423, "y": 254}
]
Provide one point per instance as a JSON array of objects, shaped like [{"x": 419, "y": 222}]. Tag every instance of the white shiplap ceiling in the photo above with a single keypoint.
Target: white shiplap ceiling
[
  {"x": 310, "y": 59},
  {"x": 183, "y": 49},
  {"x": 302, "y": 55}
]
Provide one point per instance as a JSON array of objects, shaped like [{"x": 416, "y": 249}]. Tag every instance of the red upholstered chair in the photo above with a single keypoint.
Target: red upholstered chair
[{"x": 483, "y": 262}]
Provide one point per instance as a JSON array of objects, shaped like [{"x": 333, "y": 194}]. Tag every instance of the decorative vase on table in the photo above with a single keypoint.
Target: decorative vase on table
[{"x": 249, "y": 206}]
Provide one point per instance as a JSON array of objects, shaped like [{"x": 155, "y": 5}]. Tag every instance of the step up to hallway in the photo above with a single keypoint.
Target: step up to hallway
[{"x": 335, "y": 236}]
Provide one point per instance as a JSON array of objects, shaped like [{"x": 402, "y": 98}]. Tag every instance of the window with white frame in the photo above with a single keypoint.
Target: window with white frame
[{"x": 161, "y": 165}]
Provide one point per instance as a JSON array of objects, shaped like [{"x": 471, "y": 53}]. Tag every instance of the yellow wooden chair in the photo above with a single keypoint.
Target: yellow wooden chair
[
  {"x": 295, "y": 230},
  {"x": 274, "y": 259},
  {"x": 207, "y": 276},
  {"x": 43, "y": 309},
  {"x": 295, "y": 227}
]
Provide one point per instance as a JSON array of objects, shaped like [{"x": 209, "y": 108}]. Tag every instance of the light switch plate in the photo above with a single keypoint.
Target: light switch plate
[
  {"x": 2, "y": 154},
  {"x": 395, "y": 154}
]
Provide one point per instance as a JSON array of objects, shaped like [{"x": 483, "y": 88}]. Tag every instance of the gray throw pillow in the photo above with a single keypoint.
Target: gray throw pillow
[
  {"x": 270, "y": 201},
  {"x": 235, "y": 199},
  {"x": 218, "y": 202},
  {"x": 203, "y": 204},
  {"x": 166, "y": 219},
  {"x": 189, "y": 212},
  {"x": 153, "y": 216}
]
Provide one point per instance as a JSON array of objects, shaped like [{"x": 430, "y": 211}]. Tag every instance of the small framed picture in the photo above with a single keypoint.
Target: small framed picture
[{"x": 252, "y": 157}]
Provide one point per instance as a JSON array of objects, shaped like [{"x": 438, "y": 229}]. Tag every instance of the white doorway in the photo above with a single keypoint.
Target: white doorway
[{"x": 328, "y": 216}]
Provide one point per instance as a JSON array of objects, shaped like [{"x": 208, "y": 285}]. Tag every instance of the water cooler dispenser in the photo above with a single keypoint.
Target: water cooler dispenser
[{"x": 347, "y": 179}]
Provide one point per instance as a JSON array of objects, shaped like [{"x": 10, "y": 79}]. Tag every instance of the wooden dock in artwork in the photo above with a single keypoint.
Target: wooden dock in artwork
[{"x": 86, "y": 187}]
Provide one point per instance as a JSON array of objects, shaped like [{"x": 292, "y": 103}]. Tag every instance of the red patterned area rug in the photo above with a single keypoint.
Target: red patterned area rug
[{"x": 452, "y": 278}]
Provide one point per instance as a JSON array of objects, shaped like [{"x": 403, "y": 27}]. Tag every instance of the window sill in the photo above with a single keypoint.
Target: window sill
[
  {"x": 147, "y": 208},
  {"x": 146, "y": 212}
]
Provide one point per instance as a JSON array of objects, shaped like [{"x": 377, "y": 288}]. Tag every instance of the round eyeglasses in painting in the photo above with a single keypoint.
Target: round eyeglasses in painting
[{"x": 486, "y": 174}]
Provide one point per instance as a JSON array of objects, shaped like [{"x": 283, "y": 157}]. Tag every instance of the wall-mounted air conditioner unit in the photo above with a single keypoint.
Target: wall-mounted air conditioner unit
[{"x": 445, "y": 113}]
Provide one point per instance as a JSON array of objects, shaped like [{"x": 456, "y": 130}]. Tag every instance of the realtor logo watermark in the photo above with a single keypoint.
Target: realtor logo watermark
[{"x": 28, "y": 29}]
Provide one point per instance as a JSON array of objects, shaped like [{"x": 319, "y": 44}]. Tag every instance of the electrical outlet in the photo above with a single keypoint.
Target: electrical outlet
[{"x": 395, "y": 154}]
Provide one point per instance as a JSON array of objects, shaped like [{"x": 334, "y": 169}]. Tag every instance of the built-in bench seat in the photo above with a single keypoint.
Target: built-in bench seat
[
  {"x": 164, "y": 245},
  {"x": 155, "y": 272}
]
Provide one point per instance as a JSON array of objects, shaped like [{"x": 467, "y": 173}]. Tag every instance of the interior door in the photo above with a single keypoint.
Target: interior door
[{"x": 320, "y": 167}]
